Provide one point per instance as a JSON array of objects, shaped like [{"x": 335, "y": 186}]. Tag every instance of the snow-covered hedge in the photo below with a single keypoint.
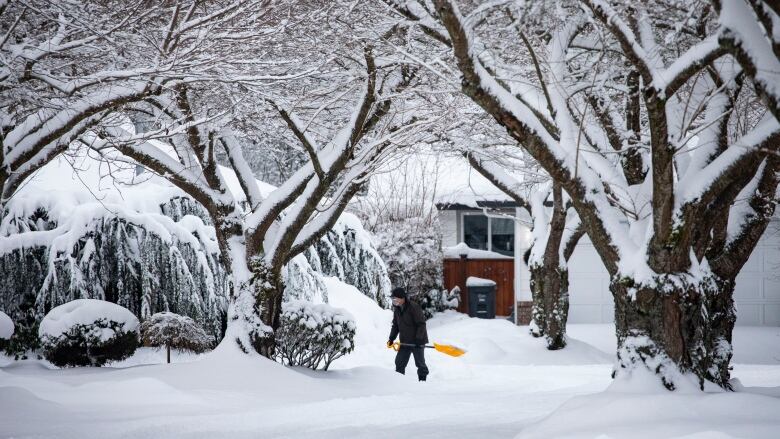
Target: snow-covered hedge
[
  {"x": 88, "y": 332},
  {"x": 312, "y": 335},
  {"x": 173, "y": 331}
]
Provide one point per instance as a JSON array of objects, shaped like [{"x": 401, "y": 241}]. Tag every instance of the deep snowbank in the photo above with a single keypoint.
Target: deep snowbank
[
  {"x": 752, "y": 344},
  {"x": 507, "y": 384},
  {"x": 662, "y": 414}
]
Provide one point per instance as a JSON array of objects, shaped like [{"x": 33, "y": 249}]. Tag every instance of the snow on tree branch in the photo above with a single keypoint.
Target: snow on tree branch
[{"x": 747, "y": 33}]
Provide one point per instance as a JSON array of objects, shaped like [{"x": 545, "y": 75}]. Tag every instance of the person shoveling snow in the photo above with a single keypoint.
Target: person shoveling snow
[{"x": 409, "y": 322}]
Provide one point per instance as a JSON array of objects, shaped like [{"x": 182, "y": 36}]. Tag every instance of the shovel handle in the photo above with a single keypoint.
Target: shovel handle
[{"x": 397, "y": 345}]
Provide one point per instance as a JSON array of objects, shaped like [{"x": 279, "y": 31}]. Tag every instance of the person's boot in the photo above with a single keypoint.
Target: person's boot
[{"x": 421, "y": 378}]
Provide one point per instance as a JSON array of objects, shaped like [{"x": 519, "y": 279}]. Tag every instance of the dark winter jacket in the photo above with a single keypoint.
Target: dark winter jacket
[{"x": 409, "y": 321}]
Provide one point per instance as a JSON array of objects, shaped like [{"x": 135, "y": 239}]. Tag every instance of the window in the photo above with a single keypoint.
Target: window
[
  {"x": 502, "y": 236},
  {"x": 494, "y": 234},
  {"x": 475, "y": 231}
]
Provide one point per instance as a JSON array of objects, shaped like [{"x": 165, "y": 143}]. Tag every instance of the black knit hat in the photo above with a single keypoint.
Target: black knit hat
[{"x": 399, "y": 292}]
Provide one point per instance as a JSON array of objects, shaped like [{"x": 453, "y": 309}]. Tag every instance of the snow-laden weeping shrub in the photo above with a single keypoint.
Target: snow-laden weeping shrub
[
  {"x": 144, "y": 261},
  {"x": 88, "y": 332},
  {"x": 6, "y": 330},
  {"x": 155, "y": 252},
  {"x": 311, "y": 335},
  {"x": 347, "y": 252},
  {"x": 173, "y": 331},
  {"x": 302, "y": 282}
]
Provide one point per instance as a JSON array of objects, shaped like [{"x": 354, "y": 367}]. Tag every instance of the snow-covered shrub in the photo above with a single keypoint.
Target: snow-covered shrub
[
  {"x": 170, "y": 330},
  {"x": 88, "y": 332},
  {"x": 348, "y": 253},
  {"x": 411, "y": 248},
  {"x": 438, "y": 300},
  {"x": 133, "y": 263},
  {"x": 310, "y": 335},
  {"x": 6, "y": 330}
]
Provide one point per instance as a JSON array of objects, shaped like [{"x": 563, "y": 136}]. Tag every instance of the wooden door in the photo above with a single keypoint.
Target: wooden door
[{"x": 501, "y": 271}]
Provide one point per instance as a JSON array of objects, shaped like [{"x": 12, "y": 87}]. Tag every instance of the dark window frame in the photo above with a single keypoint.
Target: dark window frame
[{"x": 490, "y": 218}]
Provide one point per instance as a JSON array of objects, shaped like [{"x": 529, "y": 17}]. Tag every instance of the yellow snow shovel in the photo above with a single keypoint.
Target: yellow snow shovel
[{"x": 452, "y": 351}]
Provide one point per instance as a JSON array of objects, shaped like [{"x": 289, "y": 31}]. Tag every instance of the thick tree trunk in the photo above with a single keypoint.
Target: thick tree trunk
[
  {"x": 679, "y": 329},
  {"x": 255, "y": 308},
  {"x": 244, "y": 326},
  {"x": 268, "y": 291},
  {"x": 550, "y": 281},
  {"x": 550, "y": 292},
  {"x": 168, "y": 353},
  {"x": 722, "y": 315}
]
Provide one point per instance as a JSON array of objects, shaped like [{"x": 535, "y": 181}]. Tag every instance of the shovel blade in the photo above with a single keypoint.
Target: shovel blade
[{"x": 452, "y": 351}]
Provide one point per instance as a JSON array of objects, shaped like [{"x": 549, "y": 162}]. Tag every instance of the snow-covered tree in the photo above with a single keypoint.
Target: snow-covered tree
[
  {"x": 495, "y": 156},
  {"x": 144, "y": 245},
  {"x": 170, "y": 330},
  {"x": 556, "y": 230},
  {"x": 259, "y": 235},
  {"x": 81, "y": 70},
  {"x": 261, "y": 240},
  {"x": 67, "y": 65},
  {"x": 675, "y": 202},
  {"x": 399, "y": 210}
]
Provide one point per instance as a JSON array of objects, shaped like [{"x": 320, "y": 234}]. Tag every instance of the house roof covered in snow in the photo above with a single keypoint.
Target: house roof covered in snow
[{"x": 476, "y": 204}]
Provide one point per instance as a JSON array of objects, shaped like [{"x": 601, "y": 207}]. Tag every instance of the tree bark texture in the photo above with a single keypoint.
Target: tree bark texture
[
  {"x": 677, "y": 327},
  {"x": 550, "y": 311}
]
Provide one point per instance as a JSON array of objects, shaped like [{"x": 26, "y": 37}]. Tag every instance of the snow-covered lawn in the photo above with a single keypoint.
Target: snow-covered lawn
[{"x": 507, "y": 384}]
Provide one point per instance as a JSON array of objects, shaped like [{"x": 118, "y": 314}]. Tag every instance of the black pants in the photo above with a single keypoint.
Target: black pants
[{"x": 402, "y": 359}]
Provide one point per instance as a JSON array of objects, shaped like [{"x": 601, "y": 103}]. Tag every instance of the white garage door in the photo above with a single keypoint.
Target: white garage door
[{"x": 757, "y": 294}]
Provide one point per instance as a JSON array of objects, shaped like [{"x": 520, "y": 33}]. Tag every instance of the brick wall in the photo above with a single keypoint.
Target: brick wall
[{"x": 524, "y": 312}]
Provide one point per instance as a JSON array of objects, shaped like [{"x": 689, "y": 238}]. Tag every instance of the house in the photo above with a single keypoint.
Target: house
[
  {"x": 487, "y": 246},
  {"x": 486, "y": 237}
]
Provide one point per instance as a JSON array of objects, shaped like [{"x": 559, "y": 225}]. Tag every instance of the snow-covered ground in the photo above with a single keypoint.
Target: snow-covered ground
[{"x": 506, "y": 385}]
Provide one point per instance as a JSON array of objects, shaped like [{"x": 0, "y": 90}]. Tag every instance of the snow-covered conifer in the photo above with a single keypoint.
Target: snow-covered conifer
[{"x": 348, "y": 252}]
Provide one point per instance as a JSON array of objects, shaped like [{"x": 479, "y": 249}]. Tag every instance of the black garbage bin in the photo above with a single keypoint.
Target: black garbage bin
[{"x": 482, "y": 298}]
